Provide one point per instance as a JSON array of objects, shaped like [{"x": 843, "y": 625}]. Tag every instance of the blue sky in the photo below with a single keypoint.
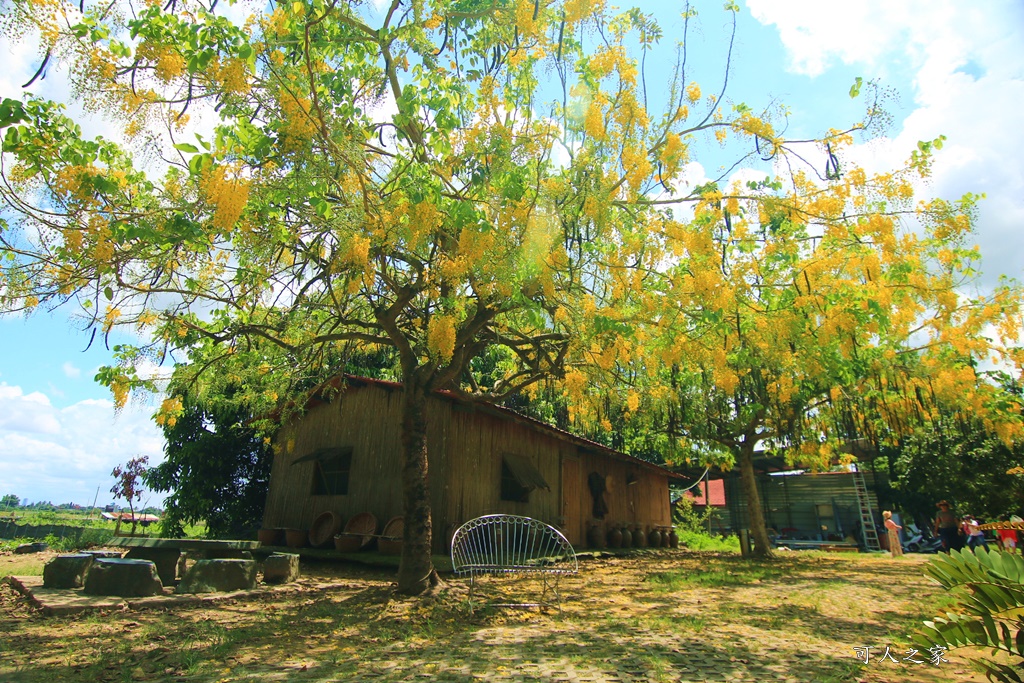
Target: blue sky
[{"x": 957, "y": 67}]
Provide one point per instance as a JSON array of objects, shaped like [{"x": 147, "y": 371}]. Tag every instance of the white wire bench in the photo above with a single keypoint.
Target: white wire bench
[{"x": 510, "y": 545}]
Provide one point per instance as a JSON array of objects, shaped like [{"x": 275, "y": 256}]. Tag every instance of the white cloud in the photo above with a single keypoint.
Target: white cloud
[
  {"x": 967, "y": 82},
  {"x": 70, "y": 370},
  {"x": 26, "y": 413},
  {"x": 62, "y": 455}
]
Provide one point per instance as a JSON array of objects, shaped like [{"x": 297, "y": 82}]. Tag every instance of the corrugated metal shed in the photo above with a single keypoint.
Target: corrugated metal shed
[{"x": 813, "y": 507}]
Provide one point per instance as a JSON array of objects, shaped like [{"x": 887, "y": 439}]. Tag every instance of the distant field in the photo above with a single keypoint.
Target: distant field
[
  {"x": 78, "y": 518},
  {"x": 92, "y": 521}
]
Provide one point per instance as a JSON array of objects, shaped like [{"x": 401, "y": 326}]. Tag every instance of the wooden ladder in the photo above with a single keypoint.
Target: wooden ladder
[{"x": 867, "y": 517}]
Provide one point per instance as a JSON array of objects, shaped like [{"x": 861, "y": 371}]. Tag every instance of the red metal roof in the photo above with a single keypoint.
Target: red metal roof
[{"x": 716, "y": 492}]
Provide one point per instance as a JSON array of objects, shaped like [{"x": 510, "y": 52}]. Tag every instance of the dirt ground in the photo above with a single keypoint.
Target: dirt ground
[{"x": 655, "y": 616}]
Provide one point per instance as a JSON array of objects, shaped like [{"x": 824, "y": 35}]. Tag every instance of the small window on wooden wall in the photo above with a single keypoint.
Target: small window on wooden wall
[
  {"x": 518, "y": 478},
  {"x": 331, "y": 468}
]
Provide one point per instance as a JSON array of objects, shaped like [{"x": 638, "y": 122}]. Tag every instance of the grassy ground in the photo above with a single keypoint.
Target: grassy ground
[{"x": 655, "y": 616}]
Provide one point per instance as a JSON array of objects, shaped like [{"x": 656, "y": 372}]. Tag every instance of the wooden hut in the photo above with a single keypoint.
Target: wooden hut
[{"x": 345, "y": 456}]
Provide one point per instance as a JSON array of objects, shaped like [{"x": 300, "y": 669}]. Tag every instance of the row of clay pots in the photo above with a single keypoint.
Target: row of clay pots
[
  {"x": 625, "y": 536},
  {"x": 359, "y": 534}
]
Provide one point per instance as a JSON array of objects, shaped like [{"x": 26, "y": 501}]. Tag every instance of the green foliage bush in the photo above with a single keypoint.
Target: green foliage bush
[
  {"x": 699, "y": 540},
  {"x": 692, "y": 527},
  {"x": 988, "y": 587},
  {"x": 216, "y": 470},
  {"x": 688, "y": 518}
]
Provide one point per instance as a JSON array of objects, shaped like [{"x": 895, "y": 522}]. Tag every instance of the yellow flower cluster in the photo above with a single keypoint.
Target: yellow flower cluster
[
  {"x": 169, "y": 411},
  {"x": 47, "y": 14},
  {"x": 453, "y": 269},
  {"x": 575, "y": 384},
  {"x": 578, "y": 10},
  {"x": 298, "y": 122},
  {"x": 68, "y": 180},
  {"x": 358, "y": 253},
  {"x": 693, "y": 92},
  {"x": 133, "y": 100},
  {"x": 424, "y": 219},
  {"x": 524, "y": 17},
  {"x": 673, "y": 153},
  {"x": 99, "y": 235},
  {"x": 233, "y": 76},
  {"x": 228, "y": 195},
  {"x": 119, "y": 387},
  {"x": 475, "y": 244},
  {"x": 593, "y": 123},
  {"x": 134, "y": 127},
  {"x": 169, "y": 65},
  {"x": 753, "y": 125},
  {"x": 278, "y": 22},
  {"x": 629, "y": 113},
  {"x": 604, "y": 357},
  {"x": 441, "y": 337},
  {"x": 636, "y": 165},
  {"x": 101, "y": 63}
]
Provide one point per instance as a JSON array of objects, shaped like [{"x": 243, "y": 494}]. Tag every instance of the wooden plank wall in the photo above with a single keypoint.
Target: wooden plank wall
[
  {"x": 646, "y": 502},
  {"x": 476, "y": 442},
  {"x": 365, "y": 420},
  {"x": 575, "y": 499}
]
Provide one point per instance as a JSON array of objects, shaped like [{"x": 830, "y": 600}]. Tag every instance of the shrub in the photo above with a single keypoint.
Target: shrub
[
  {"x": 687, "y": 518},
  {"x": 698, "y": 540},
  {"x": 988, "y": 587}
]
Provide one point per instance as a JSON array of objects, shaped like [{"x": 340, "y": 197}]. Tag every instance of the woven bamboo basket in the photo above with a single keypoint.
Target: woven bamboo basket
[
  {"x": 362, "y": 527},
  {"x": 323, "y": 529},
  {"x": 390, "y": 542}
]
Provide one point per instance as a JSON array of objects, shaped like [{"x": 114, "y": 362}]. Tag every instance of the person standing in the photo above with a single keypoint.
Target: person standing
[
  {"x": 972, "y": 531},
  {"x": 946, "y": 526},
  {"x": 894, "y": 534},
  {"x": 1007, "y": 538}
]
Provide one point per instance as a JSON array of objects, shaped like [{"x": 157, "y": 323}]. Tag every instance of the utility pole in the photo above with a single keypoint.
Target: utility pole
[
  {"x": 93, "y": 508},
  {"x": 707, "y": 498}
]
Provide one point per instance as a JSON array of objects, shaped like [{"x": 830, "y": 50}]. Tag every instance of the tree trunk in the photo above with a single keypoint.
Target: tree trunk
[
  {"x": 416, "y": 572},
  {"x": 758, "y": 530}
]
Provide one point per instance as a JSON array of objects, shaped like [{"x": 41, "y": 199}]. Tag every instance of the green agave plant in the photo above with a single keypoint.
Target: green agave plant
[{"x": 990, "y": 596}]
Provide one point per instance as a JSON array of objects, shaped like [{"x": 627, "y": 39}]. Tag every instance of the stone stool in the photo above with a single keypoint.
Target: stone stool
[
  {"x": 122, "y": 577},
  {"x": 67, "y": 571},
  {"x": 213, "y": 576},
  {"x": 281, "y": 568}
]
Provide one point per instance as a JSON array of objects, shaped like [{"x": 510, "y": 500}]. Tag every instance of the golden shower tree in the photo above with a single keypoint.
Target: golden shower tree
[{"x": 442, "y": 178}]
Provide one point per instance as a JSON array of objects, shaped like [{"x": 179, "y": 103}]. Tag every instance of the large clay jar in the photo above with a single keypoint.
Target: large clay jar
[
  {"x": 673, "y": 538},
  {"x": 654, "y": 538},
  {"x": 627, "y": 537},
  {"x": 595, "y": 537},
  {"x": 615, "y": 537},
  {"x": 639, "y": 537},
  {"x": 270, "y": 536},
  {"x": 296, "y": 538}
]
